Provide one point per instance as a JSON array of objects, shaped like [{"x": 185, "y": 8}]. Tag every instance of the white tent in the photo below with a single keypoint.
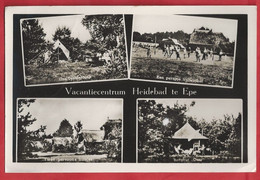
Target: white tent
[
  {"x": 58, "y": 44},
  {"x": 173, "y": 41}
]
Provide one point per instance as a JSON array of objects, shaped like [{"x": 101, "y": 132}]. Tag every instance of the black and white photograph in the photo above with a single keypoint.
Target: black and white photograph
[
  {"x": 73, "y": 48},
  {"x": 189, "y": 130},
  {"x": 184, "y": 49},
  {"x": 69, "y": 130}
]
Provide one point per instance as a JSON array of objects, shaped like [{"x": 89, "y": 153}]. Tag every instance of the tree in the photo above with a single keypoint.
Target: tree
[
  {"x": 64, "y": 35},
  {"x": 65, "y": 129},
  {"x": 224, "y": 134},
  {"x": 34, "y": 43},
  {"x": 25, "y": 137},
  {"x": 107, "y": 33},
  {"x": 106, "y": 29}
]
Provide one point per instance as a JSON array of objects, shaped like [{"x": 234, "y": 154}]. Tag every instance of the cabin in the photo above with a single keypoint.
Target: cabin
[
  {"x": 96, "y": 141},
  {"x": 206, "y": 38},
  {"x": 187, "y": 139},
  {"x": 201, "y": 38}
]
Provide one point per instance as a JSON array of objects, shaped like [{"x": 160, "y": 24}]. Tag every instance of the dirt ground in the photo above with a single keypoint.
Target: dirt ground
[{"x": 186, "y": 70}]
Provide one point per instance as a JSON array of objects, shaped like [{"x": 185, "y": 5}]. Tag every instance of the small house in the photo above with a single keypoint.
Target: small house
[{"x": 188, "y": 138}]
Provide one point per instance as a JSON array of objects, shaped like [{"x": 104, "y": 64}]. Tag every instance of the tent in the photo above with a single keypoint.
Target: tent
[
  {"x": 59, "y": 45},
  {"x": 172, "y": 41}
]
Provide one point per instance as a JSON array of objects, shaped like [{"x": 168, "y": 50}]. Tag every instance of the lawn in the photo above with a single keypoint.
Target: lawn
[
  {"x": 186, "y": 70},
  {"x": 66, "y": 72}
]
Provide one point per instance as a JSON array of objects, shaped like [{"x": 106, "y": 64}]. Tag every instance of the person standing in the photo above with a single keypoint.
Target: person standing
[
  {"x": 149, "y": 52},
  {"x": 198, "y": 54},
  {"x": 211, "y": 55},
  {"x": 204, "y": 54},
  {"x": 189, "y": 51},
  {"x": 184, "y": 53},
  {"x": 178, "y": 53},
  {"x": 220, "y": 55}
]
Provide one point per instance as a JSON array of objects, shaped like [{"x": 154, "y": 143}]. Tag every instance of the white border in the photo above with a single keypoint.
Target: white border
[
  {"x": 186, "y": 83},
  {"x": 132, "y": 167},
  {"x": 174, "y": 99},
  {"x": 70, "y": 82}
]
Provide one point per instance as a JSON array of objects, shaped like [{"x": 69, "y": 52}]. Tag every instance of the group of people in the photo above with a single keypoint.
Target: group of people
[
  {"x": 206, "y": 54},
  {"x": 203, "y": 55},
  {"x": 169, "y": 50}
]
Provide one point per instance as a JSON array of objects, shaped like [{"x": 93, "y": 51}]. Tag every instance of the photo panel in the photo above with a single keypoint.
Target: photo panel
[
  {"x": 73, "y": 48},
  {"x": 190, "y": 130},
  {"x": 184, "y": 49},
  {"x": 52, "y": 130}
]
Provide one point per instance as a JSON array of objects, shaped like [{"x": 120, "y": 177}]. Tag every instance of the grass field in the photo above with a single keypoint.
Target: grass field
[
  {"x": 65, "y": 72},
  {"x": 186, "y": 70}
]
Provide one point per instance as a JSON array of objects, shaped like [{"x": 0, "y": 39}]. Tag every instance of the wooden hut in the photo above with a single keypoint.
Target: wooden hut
[{"x": 188, "y": 138}]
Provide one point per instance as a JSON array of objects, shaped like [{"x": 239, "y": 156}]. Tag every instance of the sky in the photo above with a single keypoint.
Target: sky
[
  {"x": 173, "y": 23},
  {"x": 207, "y": 109},
  {"x": 50, "y": 24},
  {"x": 93, "y": 113}
]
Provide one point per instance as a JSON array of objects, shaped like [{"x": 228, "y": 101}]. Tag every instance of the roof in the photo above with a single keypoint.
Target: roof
[
  {"x": 93, "y": 135},
  {"x": 188, "y": 132},
  {"x": 113, "y": 121},
  {"x": 198, "y": 37}
]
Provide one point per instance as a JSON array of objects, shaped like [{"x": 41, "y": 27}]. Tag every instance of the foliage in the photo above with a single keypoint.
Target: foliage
[
  {"x": 116, "y": 68},
  {"x": 65, "y": 146},
  {"x": 105, "y": 29},
  {"x": 113, "y": 137},
  {"x": 65, "y": 129},
  {"x": 33, "y": 39},
  {"x": 107, "y": 33},
  {"x": 26, "y": 137},
  {"x": 224, "y": 135}
]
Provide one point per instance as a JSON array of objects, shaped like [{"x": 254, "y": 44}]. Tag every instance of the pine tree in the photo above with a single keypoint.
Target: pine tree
[
  {"x": 34, "y": 43},
  {"x": 65, "y": 129}
]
